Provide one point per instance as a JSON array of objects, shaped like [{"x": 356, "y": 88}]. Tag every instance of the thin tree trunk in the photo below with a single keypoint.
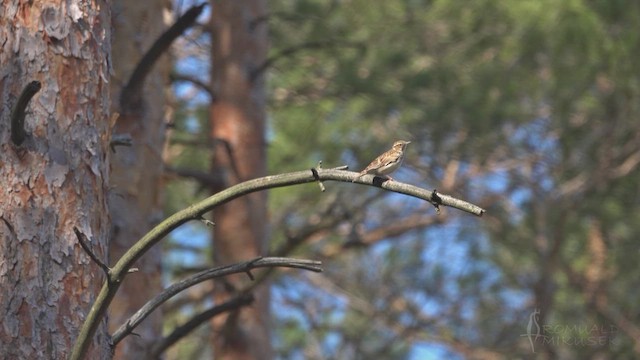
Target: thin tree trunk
[
  {"x": 238, "y": 118},
  {"x": 136, "y": 199},
  {"x": 57, "y": 179}
]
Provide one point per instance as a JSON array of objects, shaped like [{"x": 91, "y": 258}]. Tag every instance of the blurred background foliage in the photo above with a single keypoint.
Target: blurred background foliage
[{"x": 527, "y": 108}]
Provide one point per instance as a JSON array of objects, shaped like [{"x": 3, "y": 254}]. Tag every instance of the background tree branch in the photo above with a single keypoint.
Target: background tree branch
[
  {"x": 131, "y": 93},
  {"x": 244, "y": 299}
]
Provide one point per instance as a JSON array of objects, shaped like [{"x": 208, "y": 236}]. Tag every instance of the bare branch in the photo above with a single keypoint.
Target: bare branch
[
  {"x": 195, "y": 211},
  {"x": 84, "y": 243},
  {"x": 120, "y": 140},
  {"x": 178, "y": 333},
  {"x": 132, "y": 92},
  {"x": 435, "y": 198},
  {"x": 195, "y": 81},
  {"x": 294, "y": 49},
  {"x": 396, "y": 228},
  {"x": 213, "y": 273}
]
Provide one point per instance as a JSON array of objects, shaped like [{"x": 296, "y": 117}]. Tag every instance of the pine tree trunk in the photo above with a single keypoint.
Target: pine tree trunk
[
  {"x": 238, "y": 119},
  {"x": 136, "y": 199},
  {"x": 57, "y": 179}
]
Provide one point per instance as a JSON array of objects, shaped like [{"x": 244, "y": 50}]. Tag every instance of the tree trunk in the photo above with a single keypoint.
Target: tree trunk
[
  {"x": 57, "y": 179},
  {"x": 136, "y": 199},
  {"x": 238, "y": 119}
]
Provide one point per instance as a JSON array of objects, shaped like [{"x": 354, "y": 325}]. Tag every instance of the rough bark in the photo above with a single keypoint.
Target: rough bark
[
  {"x": 136, "y": 200},
  {"x": 57, "y": 179},
  {"x": 238, "y": 118}
]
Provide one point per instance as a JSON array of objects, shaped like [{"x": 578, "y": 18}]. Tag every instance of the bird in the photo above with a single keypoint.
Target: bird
[{"x": 386, "y": 163}]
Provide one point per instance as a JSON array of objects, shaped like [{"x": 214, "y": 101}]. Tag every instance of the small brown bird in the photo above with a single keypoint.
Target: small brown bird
[{"x": 386, "y": 163}]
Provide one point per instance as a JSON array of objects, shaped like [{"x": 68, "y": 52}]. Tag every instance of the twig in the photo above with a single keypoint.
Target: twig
[
  {"x": 132, "y": 92},
  {"x": 178, "y": 333},
  {"x": 120, "y": 140},
  {"x": 315, "y": 175},
  {"x": 207, "y": 222},
  {"x": 18, "y": 133},
  {"x": 195, "y": 211},
  {"x": 231, "y": 157},
  {"x": 195, "y": 81},
  {"x": 250, "y": 266},
  {"x": 217, "y": 272},
  {"x": 82, "y": 238},
  {"x": 293, "y": 49}
]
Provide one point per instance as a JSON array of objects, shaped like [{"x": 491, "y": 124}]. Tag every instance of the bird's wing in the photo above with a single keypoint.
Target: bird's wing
[{"x": 383, "y": 160}]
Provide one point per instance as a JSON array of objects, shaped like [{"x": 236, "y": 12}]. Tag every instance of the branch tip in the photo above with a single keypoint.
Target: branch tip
[
  {"x": 120, "y": 140},
  {"x": 314, "y": 171},
  {"x": 84, "y": 243},
  {"x": 250, "y": 275},
  {"x": 208, "y": 223}
]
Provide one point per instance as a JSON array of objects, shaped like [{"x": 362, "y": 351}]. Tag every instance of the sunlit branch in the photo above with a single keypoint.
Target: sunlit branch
[{"x": 196, "y": 211}]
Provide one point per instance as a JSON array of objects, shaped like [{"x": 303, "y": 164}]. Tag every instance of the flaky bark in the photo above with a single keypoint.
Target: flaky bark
[
  {"x": 57, "y": 178},
  {"x": 238, "y": 118},
  {"x": 136, "y": 202}
]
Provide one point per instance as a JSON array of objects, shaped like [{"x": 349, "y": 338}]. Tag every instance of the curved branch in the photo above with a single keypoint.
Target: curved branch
[
  {"x": 175, "y": 77},
  {"x": 181, "y": 331},
  {"x": 131, "y": 94},
  {"x": 195, "y": 212},
  {"x": 195, "y": 279},
  {"x": 18, "y": 133},
  {"x": 294, "y": 49}
]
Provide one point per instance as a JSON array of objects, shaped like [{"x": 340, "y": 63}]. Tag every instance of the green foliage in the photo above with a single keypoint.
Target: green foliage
[
  {"x": 538, "y": 102},
  {"x": 532, "y": 103}
]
